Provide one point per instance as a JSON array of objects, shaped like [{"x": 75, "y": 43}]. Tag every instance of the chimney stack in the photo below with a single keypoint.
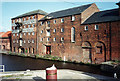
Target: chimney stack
[{"x": 119, "y": 7}]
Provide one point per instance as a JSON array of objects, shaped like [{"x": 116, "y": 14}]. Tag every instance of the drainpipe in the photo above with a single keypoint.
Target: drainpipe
[{"x": 110, "y": 39}]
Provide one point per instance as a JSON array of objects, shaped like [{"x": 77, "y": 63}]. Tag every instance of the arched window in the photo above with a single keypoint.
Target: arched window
[{"x": 73, "y": 34}]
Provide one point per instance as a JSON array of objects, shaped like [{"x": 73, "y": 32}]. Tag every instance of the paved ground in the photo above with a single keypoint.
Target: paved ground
[{"x": 62, "y": 74}]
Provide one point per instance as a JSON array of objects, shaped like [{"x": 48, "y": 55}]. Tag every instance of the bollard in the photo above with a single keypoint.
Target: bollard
[{"x": 51, "y": 73}]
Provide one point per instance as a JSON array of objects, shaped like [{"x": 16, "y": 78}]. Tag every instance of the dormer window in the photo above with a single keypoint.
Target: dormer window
[
  {"x": 73, "y": 18},
  {"x": 86, "y": 28},
  {"x": 62, "y": 20},
  {"x": 96, "y": 27}
]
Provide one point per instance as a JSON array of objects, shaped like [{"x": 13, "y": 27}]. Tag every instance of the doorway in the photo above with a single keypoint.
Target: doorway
[{"x": 48, "y": 49}]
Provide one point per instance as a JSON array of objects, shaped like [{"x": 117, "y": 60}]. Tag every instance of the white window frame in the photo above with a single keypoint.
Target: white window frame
[
  {"x": 86, "y": 28},
  {"x": 41, "y": 39},
  {"x": 29, "y": 33},
  {"x": 47, "y": 33},
  {"x": 96, "y": 27},
  {"x": 62, "y": 39},
  {"x": 54, "y": 30},
  {"x": 54, "y": 39},
  {"x": 28, "y": 41},
  {"x": 48, "y": 39},
  {"x": 62, "y": 29},
  {"x": 73, "y": 34},
  {"x": 73, "y": 18},
  {"x": 33, "y": 33},
  {"x": 54, "y": 21},
  {"x": 24, "y": 41},
  {"x": 32, "y": 41},
  {"x": 41, "y": 31},
  {"x": 62, "y": 20}
]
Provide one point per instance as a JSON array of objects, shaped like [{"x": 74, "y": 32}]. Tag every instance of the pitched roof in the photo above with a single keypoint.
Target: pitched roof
[
  {"x": 32, "y": 13},
  {"x": 67, "y": 12},
  {"x": 103, "y": 16},
  {"x": 6, "y": 34}
]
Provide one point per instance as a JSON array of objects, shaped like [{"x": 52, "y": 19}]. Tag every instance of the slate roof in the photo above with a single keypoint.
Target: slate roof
[
  {"x": 32, "y": 13},
  {"x": 6, "y": 34},
  {"x": 103, "y": 16},
  {"x": 67, "y": 12}
]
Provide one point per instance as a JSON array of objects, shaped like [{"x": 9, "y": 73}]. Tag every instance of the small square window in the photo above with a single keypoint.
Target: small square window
[
  {"x": 54, "y": 39},
  {"x": 86, "y": 28},
  {"x": 54, "y": 30},
  {"x": 54, "y": 21},
  {"x": 62, "y": 29},
  {"x": 96, "y": 27},
  {"x": 62, "y": 20}
]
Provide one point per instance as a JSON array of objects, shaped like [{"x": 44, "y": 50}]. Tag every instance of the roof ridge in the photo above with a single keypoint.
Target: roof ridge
[{"x": 71, "y": 8}]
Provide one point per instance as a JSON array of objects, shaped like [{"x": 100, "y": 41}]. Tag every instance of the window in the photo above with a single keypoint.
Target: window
[
  {"x": 28, "y": 26},
  {"x": 54, "y": 30},
  {"x": 54, "y": 39},
  {"x": 73, "y": 34},
  {"x": 41, "y": 39},
  {"x": 48, "y": 22},
  {"x": 17, "y": 41},
  {"x": 13, "y": 34},
  {"x": 41, "y": 23},
  {"x": 13, "y": 41},
  {"x": 48, "y": 33},
  {"x": 24, "y": 41},
  {"x": 24, "y": 33},
  {"x": 28, "y": 33},
  {"x": 24, "y": 26},
  {"x": 24, "y": 19},
  {"x": 33, "y": 25},
  {"x": 73, "y": 18},
  {"x": 54, "y": 21},
  {"x": 86, "y": 28},
  {"x": 33, "y": 33},
  {"x": 28, "y": 18},
  {"x": 32, "y": 41},
  {"x": 47, "y": 39},
  {"x": 99, "y": 49},
  {"x": 62, "y": 20},
  {"x": 62, "y": 39},
  {"x": 62, "y": 29},
  {"x": 96, "y": 27},
  {"x": 33, "y": 17},
  {"x": 17, "y": 34},
  {"x": 41, "y": 31},
  {"x": 28, "y": 41}
]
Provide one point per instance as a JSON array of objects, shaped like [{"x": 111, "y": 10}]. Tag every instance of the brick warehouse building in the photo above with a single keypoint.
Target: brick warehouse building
[
  {"x": 5, "y": 41},
  {"x": 81, "y": 34},
  {"x": 24, "y": 32}
]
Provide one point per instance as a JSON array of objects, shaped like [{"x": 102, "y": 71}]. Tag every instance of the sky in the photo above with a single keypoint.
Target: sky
[{"x": 10, "y": 9}]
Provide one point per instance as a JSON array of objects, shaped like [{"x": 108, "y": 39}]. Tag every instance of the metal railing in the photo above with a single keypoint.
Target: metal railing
[{"x": 2, "y": 68}]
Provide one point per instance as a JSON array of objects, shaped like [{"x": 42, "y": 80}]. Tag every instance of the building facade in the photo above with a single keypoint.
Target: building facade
[
  {"x": 24, "y": 32},
  {"x": 5, "y": 41},
  {"x": 81, "y": 34}
]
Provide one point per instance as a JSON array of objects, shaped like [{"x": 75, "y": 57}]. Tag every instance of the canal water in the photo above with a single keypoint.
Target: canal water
[{"x": 16, "y": 63}]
